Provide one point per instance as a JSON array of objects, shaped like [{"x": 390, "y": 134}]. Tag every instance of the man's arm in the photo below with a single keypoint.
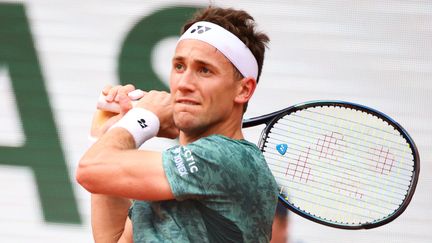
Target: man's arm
[
  {"x": 108, "y": 217},
  {"x": 127, "y": 236},
  {"x": 113, "y": 167},
  {"x": 101, "y": 173},
  {"x": 112, "y": 172}
]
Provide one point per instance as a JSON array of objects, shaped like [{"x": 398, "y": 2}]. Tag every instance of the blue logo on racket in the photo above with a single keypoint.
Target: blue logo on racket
[{"x": 282, "y": 148}]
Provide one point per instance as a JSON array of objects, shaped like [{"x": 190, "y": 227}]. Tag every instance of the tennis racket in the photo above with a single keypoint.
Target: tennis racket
[
  {"x": 340, "y": 164},
  {"x": 336, "y": 163}
]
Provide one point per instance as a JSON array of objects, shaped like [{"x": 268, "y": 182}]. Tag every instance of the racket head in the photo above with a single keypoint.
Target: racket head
[{"x": 353, "y": 188}]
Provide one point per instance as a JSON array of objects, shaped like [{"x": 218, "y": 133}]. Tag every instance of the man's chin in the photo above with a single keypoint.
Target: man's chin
[
  {"x": 190, "y": 126},
  {"x": 184, "y": 122}
]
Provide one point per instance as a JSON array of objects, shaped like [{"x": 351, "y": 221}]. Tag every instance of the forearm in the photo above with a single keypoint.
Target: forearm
[
  {"x": 108, "y": 213},
  {"x": 108, "y": 216},
  {"x": 101, "y": 154},
  {"x": 112, "y": 141},
  {"x": 113, "y": 170},
  {"x": 108, "y": 169}
]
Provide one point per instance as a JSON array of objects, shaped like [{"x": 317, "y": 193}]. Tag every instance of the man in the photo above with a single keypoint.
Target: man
[{"x": 214, "y": 186}]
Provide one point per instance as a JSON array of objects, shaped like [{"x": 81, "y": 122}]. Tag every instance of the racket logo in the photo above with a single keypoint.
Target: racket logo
[{"x": 282, "y": 148}]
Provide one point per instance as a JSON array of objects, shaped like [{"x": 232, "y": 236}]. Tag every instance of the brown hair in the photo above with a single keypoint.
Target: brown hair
[{"x": 241, "y": 24}]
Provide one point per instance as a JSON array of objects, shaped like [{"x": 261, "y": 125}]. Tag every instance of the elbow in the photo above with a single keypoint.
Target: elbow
[
  {"x": 80, "y": 175},
  {"x": 85, "y": 177}
]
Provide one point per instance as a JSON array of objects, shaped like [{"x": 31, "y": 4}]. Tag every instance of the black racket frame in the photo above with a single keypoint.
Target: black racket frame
[{"x": 270, "y": 119}]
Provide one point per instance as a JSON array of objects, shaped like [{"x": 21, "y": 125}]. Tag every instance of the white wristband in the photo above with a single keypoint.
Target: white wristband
[{"x": 142, "y": 124}]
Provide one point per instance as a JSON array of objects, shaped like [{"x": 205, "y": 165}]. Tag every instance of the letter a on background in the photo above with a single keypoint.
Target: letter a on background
[{"x": 41, "y": 150}]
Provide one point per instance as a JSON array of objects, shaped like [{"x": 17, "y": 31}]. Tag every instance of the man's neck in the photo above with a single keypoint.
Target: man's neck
[{"x": 231, "y": 129}]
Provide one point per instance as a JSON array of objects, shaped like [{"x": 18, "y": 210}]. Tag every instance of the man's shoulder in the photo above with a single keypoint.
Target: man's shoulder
[
  {"x": 221, "y": 147},
  {"x": 222, "y": 142},
  {"x": 235, "y": 158}
]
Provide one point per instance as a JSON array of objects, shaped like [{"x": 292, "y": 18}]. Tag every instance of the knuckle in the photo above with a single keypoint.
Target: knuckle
[
  {"x": 129, "y": 86},
  {"x": 114, "y": 89}
]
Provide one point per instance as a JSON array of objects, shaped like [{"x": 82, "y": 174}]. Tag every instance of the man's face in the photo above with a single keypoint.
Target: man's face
[{"x": 203, "y": 85}]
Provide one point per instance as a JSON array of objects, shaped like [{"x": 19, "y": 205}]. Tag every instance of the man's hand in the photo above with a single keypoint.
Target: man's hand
[
  {"x": 103, "y": 120},
  {"x": 158, "y": 102},
  {"x": 161, "y": 104}
]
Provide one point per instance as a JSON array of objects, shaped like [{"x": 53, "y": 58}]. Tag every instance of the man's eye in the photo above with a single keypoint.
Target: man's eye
[
  {"x": 205, "y": 70},
  {"x": 178, "y": 66}
]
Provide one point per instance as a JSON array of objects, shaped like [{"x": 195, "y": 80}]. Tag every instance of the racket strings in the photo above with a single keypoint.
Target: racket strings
[
  {"x": 348, "y": 120},
  {"x": 350, "y": 130},
  {"x": 377, "y": 204},
  {"x": 353, "y": 161},
  {"x": 329, "y": 187},
  {"x": 404, "y": 156},
  {"x": 338, "y": 169},
  {"x": 283, "y": 176},
  {"x": 355, "y": 208}
]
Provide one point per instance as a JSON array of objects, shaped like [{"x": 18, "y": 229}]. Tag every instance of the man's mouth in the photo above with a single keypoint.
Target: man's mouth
[{"x": 185, "y": 101}]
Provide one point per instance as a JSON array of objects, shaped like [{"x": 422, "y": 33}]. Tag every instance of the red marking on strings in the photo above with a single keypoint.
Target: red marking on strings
[
  {"x": 349, "y": 187},
  {"x": 301, "y": 169},
  {"x": 327, "y": 146},
  {"x": 383, "y": 158}
]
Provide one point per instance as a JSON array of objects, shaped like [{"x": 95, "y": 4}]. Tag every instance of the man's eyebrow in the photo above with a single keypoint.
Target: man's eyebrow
[
  {"x": 197, "y": 61},
  {"x": 178, "y": 58},
  {"x": 204, "y": 63}
]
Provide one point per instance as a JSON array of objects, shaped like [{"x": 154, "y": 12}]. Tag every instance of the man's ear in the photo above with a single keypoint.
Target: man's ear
[{"x": 246, "y": 89}]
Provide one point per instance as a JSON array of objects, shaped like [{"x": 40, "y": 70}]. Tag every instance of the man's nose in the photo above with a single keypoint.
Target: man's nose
[{"x": 186, "y": 81}]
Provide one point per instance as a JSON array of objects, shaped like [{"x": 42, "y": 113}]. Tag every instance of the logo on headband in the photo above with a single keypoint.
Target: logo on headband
[{"x": 200, "y": 29}]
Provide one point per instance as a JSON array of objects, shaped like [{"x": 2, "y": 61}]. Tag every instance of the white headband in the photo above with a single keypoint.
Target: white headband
[{"x": 227, "y": 43}]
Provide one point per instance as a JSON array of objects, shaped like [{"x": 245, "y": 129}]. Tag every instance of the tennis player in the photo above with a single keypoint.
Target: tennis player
[{"x": 213, "y": 187}]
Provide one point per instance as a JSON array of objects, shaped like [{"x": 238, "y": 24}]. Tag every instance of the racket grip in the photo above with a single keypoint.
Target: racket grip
[{"x": 114, "y": 107}]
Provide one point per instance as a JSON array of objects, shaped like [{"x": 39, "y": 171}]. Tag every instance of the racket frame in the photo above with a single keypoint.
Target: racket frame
[{"x": 270, "y": 119}]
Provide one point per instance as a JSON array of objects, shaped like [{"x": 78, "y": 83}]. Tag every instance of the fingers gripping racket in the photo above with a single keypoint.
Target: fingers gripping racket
[
  {"x": 340, "y": 164},
  {"x": 337, "y": 163}
]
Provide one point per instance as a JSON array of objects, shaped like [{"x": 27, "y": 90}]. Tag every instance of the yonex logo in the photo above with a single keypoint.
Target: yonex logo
[
  {"x": 282, "y": 148},
  {"x": 200, "y": 29},
  {"x": 142, "y": 123}
]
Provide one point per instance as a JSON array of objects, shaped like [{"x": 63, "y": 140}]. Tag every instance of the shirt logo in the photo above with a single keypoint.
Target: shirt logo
[{"x": 184, "y": 161}]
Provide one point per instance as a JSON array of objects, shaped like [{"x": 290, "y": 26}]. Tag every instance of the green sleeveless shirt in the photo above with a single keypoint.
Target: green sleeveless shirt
[{"x": 224, "y": 192}]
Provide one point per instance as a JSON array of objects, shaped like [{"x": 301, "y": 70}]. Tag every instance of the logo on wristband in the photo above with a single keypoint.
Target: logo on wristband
[{"x": 142, "y": 123}]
